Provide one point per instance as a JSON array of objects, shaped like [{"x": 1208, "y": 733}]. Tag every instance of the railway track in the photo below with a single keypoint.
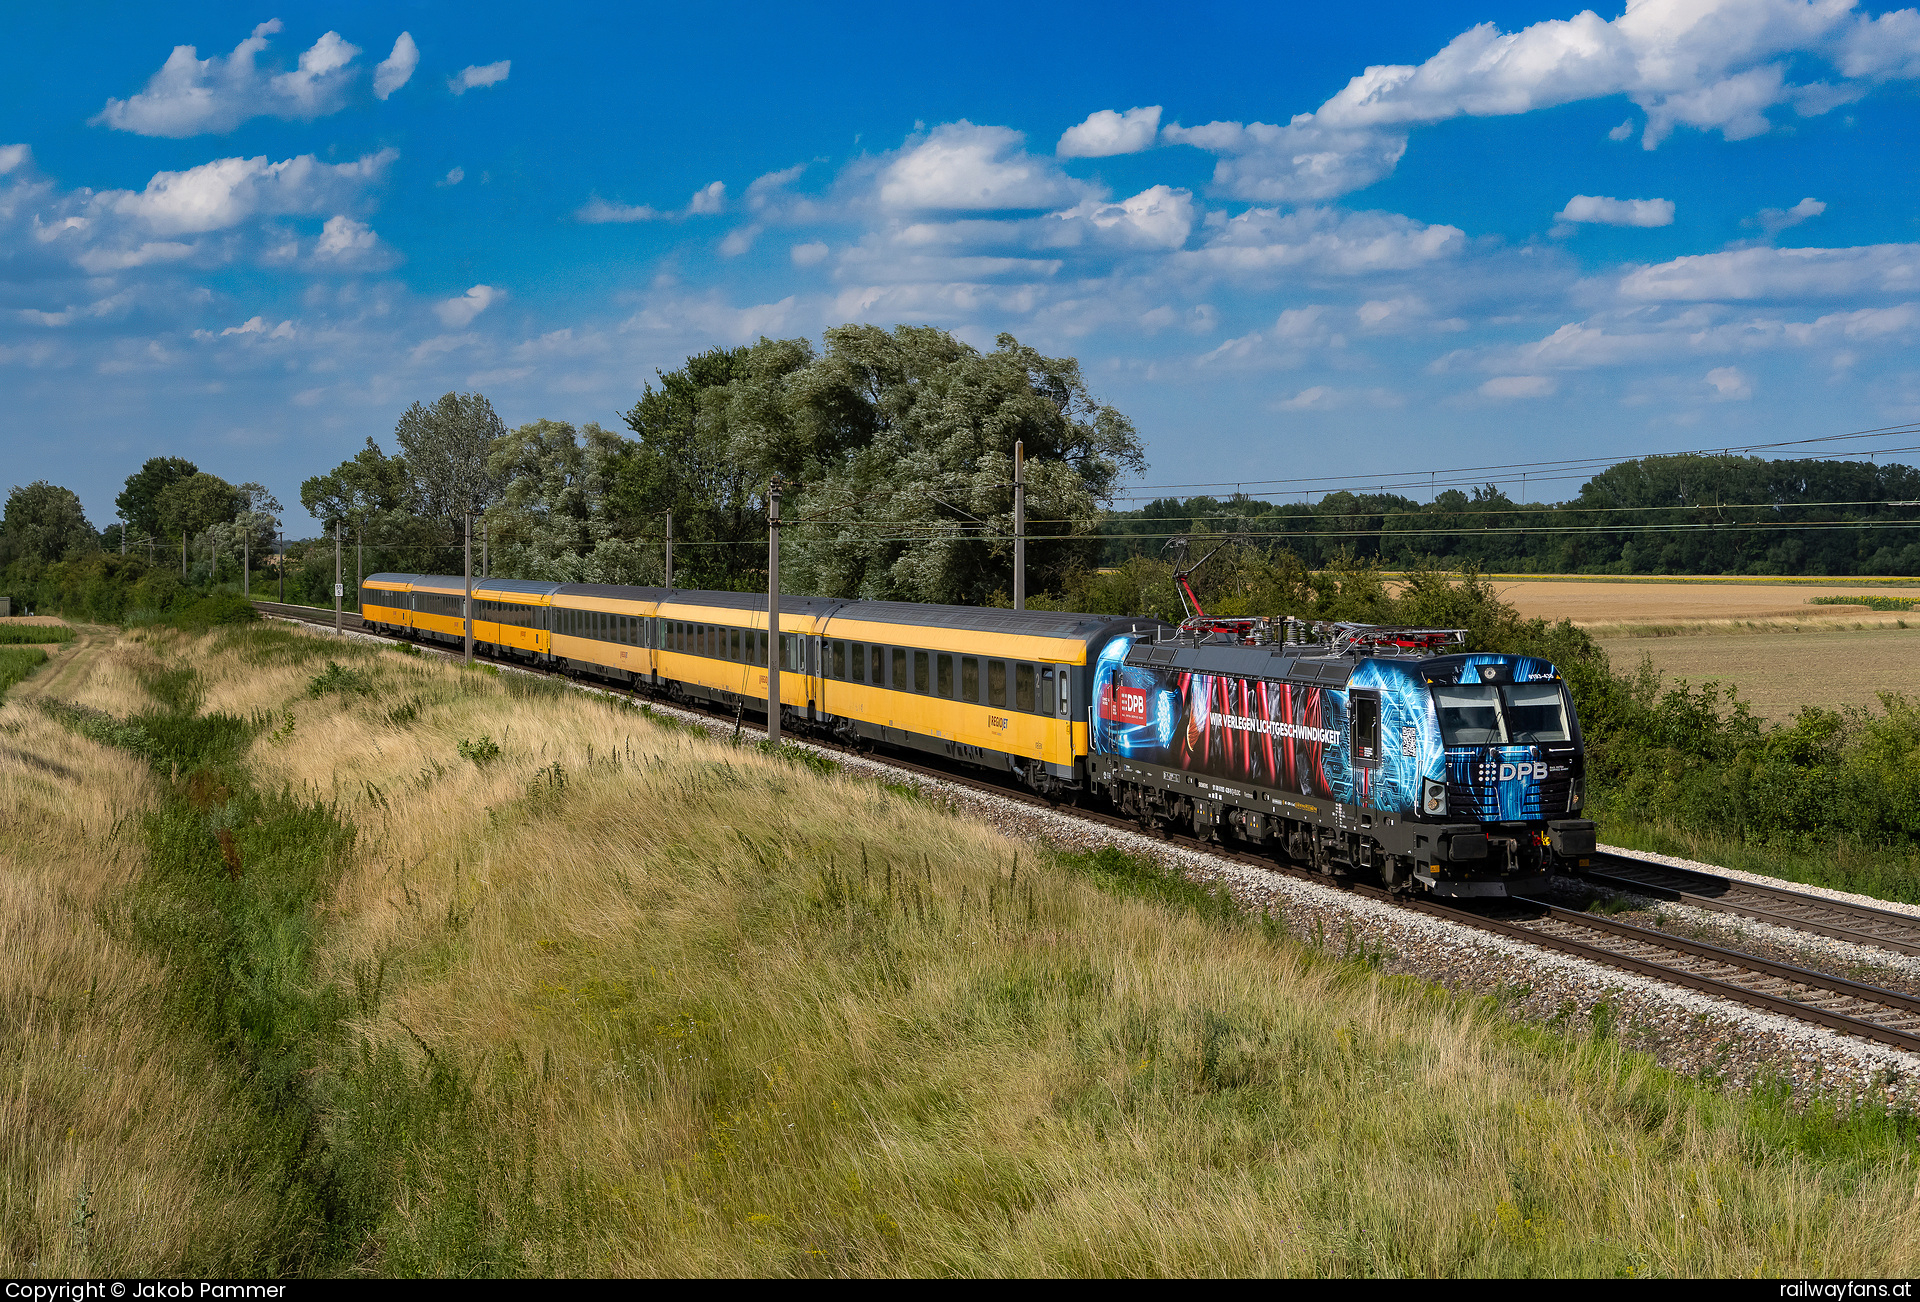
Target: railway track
[
  {"x": 1842, "y": 920},
  {"x": 1884, "y": 1016}
]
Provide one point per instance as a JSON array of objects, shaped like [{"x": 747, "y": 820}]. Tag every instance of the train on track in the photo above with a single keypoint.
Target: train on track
[{"x": 1353, "y": 748}]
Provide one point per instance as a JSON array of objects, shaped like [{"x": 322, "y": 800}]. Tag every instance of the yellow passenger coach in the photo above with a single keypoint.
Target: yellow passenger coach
[{"x": 999, "y": 688}]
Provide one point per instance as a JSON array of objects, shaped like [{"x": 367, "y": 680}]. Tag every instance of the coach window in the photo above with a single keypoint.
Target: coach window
[
  {"x": 970, "y": 679},
  {"x": 1044, "y": 703},
  {"x": 1023, "y": 687},
  {"x": 879, "y": 666},
  {"x": 922, "y": 679},
  {"x": 857, "y": 662},
  {"x": 996, "y": 682},
  {"x": 943, "y": 679},
  {"x": 840, "y": 660},
  {"x": 897, "y": 680},
  {"x": 760, "y": 648}
]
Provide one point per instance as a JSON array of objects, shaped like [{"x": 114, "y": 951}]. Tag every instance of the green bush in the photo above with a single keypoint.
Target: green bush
[
  {"x": 211, "y": 611},
  {"x": 338, "y": 678},
  {"x": 482, "y": 752}
]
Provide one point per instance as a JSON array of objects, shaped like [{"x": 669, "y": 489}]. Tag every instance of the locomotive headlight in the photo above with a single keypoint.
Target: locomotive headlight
[{"x": 1433, "y": 798}]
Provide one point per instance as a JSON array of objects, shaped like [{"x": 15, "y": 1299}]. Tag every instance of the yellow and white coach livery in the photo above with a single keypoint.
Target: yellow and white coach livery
[{"x": 1000, "y": 688}]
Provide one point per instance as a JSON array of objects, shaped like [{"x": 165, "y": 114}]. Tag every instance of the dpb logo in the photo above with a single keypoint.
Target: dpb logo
[{"x": 1523, "y": 770}]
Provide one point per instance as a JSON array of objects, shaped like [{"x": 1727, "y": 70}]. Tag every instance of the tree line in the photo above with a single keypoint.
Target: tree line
[{"x": 1687, "y": 514}]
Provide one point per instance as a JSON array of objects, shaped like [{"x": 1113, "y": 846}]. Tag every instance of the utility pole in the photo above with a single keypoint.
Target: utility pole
[
  {"x": 1020, "y": 525},
  {"x": 669, "y": 549},
  {"x": 467, "y": 606},
  {"x": 336, "y": 575},
  {"x": 246, "y": 563},
  {"x": 773, "y": 612},
  {"x": 280, "y": 546},
  {"x": 359, "y": 561}
]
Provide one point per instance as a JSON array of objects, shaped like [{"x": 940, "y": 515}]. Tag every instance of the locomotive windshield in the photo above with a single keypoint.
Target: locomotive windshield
[
  {"x": 1485, "y": 715},
  {"x": 1535, "y": 712}
]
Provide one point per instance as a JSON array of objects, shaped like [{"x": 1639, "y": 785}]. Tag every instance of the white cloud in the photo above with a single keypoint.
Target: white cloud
[
  {"x": 1642, "y": 337},
  {"x": 1518, "y": 386},
  {"x": 67, "y": 316},
  {"x": 739, "y": 240},
  {"x": 454, "y": 176},
  {"x": 227, "y": 191},
  {"x": 1317, "y": 398},
  {"x": 807, "y": 255},
  {"x": 13, "y": 156},
  {"x": 599, "y": 210},
  {"x": 1729, "y": 384},
  {"x": 345, "y": 240},
  {"x": 761, "y": 189},
  {"x": 961, "y": 166},
  {"x": 100, "y": 262},
  {"x": 1159, "y": 217},
  {"x": 456, "y": 313},
  {"x": 1884, "y": 48},
  {"x": 256, "y": 326},
  {"x": 1775, "y": 220},
  {"x": 1710, "y": 64},
  {"x": 1617, "y": 212},
  {"x": 472, "y": 77},
  {"x": 428, "y": 349},
  {"x": 1777, "y": 273},
  {"x": 396, "y": 69},
  {"x": 190, "y": 96},
  {"x": 1106, "y": 133},
  {"x": 1326, "y": 241},
  {"x": 707, "y": 200},
  {"x": 1622, "y": 131}
]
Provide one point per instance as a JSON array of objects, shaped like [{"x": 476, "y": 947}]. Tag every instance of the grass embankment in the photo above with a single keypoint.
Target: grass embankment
[
  {"x": 125, "y": 1144},
  {"x": 503, "y": 978}
]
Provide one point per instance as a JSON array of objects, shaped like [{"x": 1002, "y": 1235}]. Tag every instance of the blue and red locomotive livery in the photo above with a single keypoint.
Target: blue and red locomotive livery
[{"x": 1361, "y": 749}]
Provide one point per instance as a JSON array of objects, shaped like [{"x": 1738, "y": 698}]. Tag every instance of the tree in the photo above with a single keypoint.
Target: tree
[
  {"x": 904, "y": 440},
  {"x": 139, "y": 502},
  {"x": 45, "y": 522},
  {"x": 193, "y": 505},
  {"x": 367, "y": 484},
  {"x": 258, "y": 516},
  {"x": 447, "y": 447},
  {"x": 553, "y": 518},
  {"x": 689, "y": 456}
]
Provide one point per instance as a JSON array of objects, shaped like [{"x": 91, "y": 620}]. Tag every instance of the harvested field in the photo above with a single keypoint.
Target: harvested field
[
  {"x": 1646, "y": 609},
  {"x": 1781, "y": 672}
]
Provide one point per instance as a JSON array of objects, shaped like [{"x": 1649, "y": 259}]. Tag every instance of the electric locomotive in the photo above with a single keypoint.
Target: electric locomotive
[{"x": 1353, "y": 748}]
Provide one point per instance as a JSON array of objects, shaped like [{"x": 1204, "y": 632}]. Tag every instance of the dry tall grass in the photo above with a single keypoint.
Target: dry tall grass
[
  {"x": 704, "y": 1011},
  {"x": 115, "y": 1138}
]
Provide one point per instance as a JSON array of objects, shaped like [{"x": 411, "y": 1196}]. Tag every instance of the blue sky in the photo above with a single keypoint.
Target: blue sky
[{"x": 1290, "y": 241}]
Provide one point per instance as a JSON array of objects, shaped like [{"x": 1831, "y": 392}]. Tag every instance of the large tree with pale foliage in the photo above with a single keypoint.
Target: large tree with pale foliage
[{"x": 897, "y": 447}]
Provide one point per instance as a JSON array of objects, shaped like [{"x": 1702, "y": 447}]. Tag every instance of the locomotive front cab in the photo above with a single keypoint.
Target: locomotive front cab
[{"x": 1512, "y": 785}]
